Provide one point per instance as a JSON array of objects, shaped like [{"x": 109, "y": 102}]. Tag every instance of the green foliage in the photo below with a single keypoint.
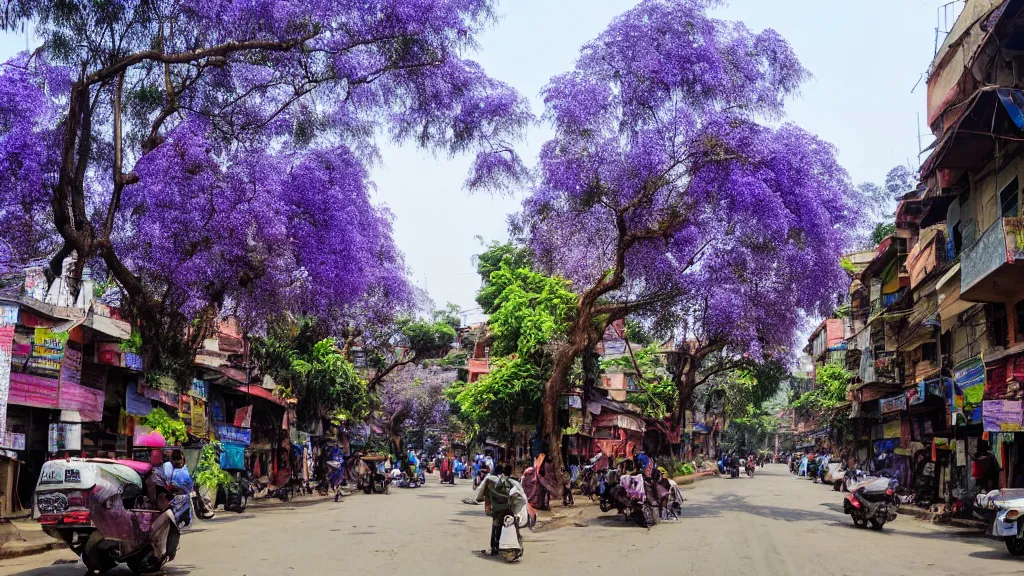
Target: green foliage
[
  {"x": 498, "y": 400},
  {"x": 325, "y": 381},
  {"x": 428, "y": 339},
  {"x": 847, "y": 265},
  {"x": 133, "y": 344},
  {"x": 831, "y": 381},
  {"x": 496, "y": 255},
  {"x": 173, "y": 430},
  {"x": 659, "y": 392},
  {"x": 530, "y": 310},
  {"x": 208, "y": 471},
  {"x": 310, "y": 367},
  {"x": 451, "y": 315},
  {"x": 882, "y": 231},
  {"x": 676, "y": 467}
]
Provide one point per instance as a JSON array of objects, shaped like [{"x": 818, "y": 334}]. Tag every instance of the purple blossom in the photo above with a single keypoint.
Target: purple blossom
[
  {"x": 252, "y": 190},
  {"x": 731, "y": 227}
]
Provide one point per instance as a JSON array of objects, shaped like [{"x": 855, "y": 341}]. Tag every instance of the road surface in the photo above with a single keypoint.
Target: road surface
[{"x": 771, "y": 524}]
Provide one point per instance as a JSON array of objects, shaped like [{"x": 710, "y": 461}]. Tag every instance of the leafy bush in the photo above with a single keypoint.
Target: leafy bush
[
  {"x": 173, "y": 431},
  {"x": 209, "y": 474},
  {"x": 686, "y": 469}
]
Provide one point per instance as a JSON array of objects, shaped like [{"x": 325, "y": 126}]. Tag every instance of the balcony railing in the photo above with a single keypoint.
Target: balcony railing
[{"x": 1002, "y": 243}]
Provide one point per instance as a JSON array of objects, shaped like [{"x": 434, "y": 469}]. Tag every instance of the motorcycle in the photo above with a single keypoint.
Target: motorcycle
[
  {"x": 749, "y": 468},
  {"x": 95, "y": 506},
  {"x": 633, "y": 496},
  {"x": 734, "y": 470},
  {"x": 1008, "y": 524},
  {"x": 333, "y": 480},
  {"x": 872, "y": 501}
]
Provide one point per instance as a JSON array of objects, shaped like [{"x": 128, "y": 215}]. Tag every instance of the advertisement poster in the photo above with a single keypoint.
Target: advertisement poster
[
  {"x": 198, "y": 418},
  {"x": 198, "y": 389},
  {"x": 916, "y": 394},
  {"x": 47, "y": 351},
  {"x": 1001, "y": 415},
  {"x": 8, "y": 318},
  {"x": 108, "y": 353}
]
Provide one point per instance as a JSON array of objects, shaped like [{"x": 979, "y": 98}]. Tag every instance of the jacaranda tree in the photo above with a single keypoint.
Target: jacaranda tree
[
  {"x": 212, "y": 153},
  {"x": 669, "y": 173}
]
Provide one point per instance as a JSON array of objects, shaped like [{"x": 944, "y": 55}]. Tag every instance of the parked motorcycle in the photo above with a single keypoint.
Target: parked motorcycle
[
  {"x": 96, "y": 507},
  {"x": 1008, "y": 505},
  {"x": 872, "y": 501}
]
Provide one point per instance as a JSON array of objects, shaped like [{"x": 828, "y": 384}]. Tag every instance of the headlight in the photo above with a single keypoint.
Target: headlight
[{"x": 1012, "y": 514}]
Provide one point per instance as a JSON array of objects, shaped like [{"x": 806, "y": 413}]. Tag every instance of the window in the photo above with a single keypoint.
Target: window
[
  {"x": 1009, "y": 201},
  {"x": 930, "y": 352},
  {"x": 998, "y": 327},
  {"x": 1019, "y": 309}
]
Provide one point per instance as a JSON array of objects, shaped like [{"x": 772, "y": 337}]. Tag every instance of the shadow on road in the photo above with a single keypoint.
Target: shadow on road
[{"x": 78, "y": 569}]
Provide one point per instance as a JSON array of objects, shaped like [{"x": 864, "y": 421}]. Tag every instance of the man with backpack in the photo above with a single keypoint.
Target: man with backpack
[{"x": 501, "y": 496}]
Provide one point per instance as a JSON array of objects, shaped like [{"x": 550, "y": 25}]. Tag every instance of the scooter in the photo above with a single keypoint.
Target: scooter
[
  {"x": 1008, "y": 505},
  {"x": 95, "y": 506},
  {"x": 872, "y": 501}
]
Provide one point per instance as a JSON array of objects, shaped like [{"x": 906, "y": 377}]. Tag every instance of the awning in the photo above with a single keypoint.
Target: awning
[
  {"x": 112, "y": 327},
  {"x": 623, "y": 421},
  {"x": 991, "y": 112}
]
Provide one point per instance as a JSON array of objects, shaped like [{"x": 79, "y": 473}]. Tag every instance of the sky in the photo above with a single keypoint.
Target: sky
[{"x": 865, "y": 57}]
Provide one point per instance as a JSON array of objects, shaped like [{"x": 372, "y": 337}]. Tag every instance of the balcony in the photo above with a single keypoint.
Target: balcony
[{"x": 991, "y": 268}]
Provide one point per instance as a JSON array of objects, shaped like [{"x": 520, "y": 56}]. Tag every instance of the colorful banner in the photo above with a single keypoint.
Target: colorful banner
[
  {"x": 243, "y": 417},
  {"x": 8, "y": 318},
  {"x": 47, "y": 351},
  {"x": 135, "y": 403},
  {"x": 87, "y": 401},
  {"x": 1001, "y": 415},
  {"x": 893, "y": 403},
  {"x": 35, "y": 391},
  {"x": 232, "y": 434},
  {"x": 916, "y": 394},
  {"x": 71, "y": 365},
  {"x": 969, "y": 375}
]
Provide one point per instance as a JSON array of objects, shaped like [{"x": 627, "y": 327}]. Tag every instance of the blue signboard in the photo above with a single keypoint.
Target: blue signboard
[{"x": 235, "y": 435}]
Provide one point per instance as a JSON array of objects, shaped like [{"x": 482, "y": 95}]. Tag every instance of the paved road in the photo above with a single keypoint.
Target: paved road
[{"x": 771, "y": 524}]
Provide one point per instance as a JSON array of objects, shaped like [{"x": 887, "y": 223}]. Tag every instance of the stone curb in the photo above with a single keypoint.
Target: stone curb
[{"x": 19, "y": 549}]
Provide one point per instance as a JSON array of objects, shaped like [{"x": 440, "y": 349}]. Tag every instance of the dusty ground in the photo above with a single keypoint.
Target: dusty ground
[{"x": 771, "y": 524}]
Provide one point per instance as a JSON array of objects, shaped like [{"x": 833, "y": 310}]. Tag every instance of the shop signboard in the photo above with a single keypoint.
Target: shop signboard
[
  {"x": 47, "y": 351},
  {"x": 893, "y": 403},
  {"x": 233, "y": 434},
  {"x": 1001, "y": 415},
  {"x": 71, "y": 365}
]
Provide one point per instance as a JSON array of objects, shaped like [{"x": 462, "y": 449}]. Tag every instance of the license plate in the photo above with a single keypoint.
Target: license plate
[
  {"x": 51, "y": 502},
  {"x": 72, "y": 475}
]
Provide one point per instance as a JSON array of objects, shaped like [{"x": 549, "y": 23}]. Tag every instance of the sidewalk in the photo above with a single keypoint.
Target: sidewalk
[{"x": 25, "y": 537}]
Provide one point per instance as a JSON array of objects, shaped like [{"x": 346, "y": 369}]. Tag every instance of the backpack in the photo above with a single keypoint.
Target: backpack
[{"x": 501, "y": 498}]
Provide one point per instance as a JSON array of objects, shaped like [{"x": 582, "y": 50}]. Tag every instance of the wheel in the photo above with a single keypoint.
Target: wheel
[
  {"x": 511, "y": 555},
  {"x": 243, "y": 501},
  {"x": 97, "y": 555},
  {"x": 859, "y": 520},
  {"x": 876, "y": 524},
  {"x": 605, "y": 505},
  {"x": 1014, "y": 545},
  {"x": 143, "y": 563}
]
